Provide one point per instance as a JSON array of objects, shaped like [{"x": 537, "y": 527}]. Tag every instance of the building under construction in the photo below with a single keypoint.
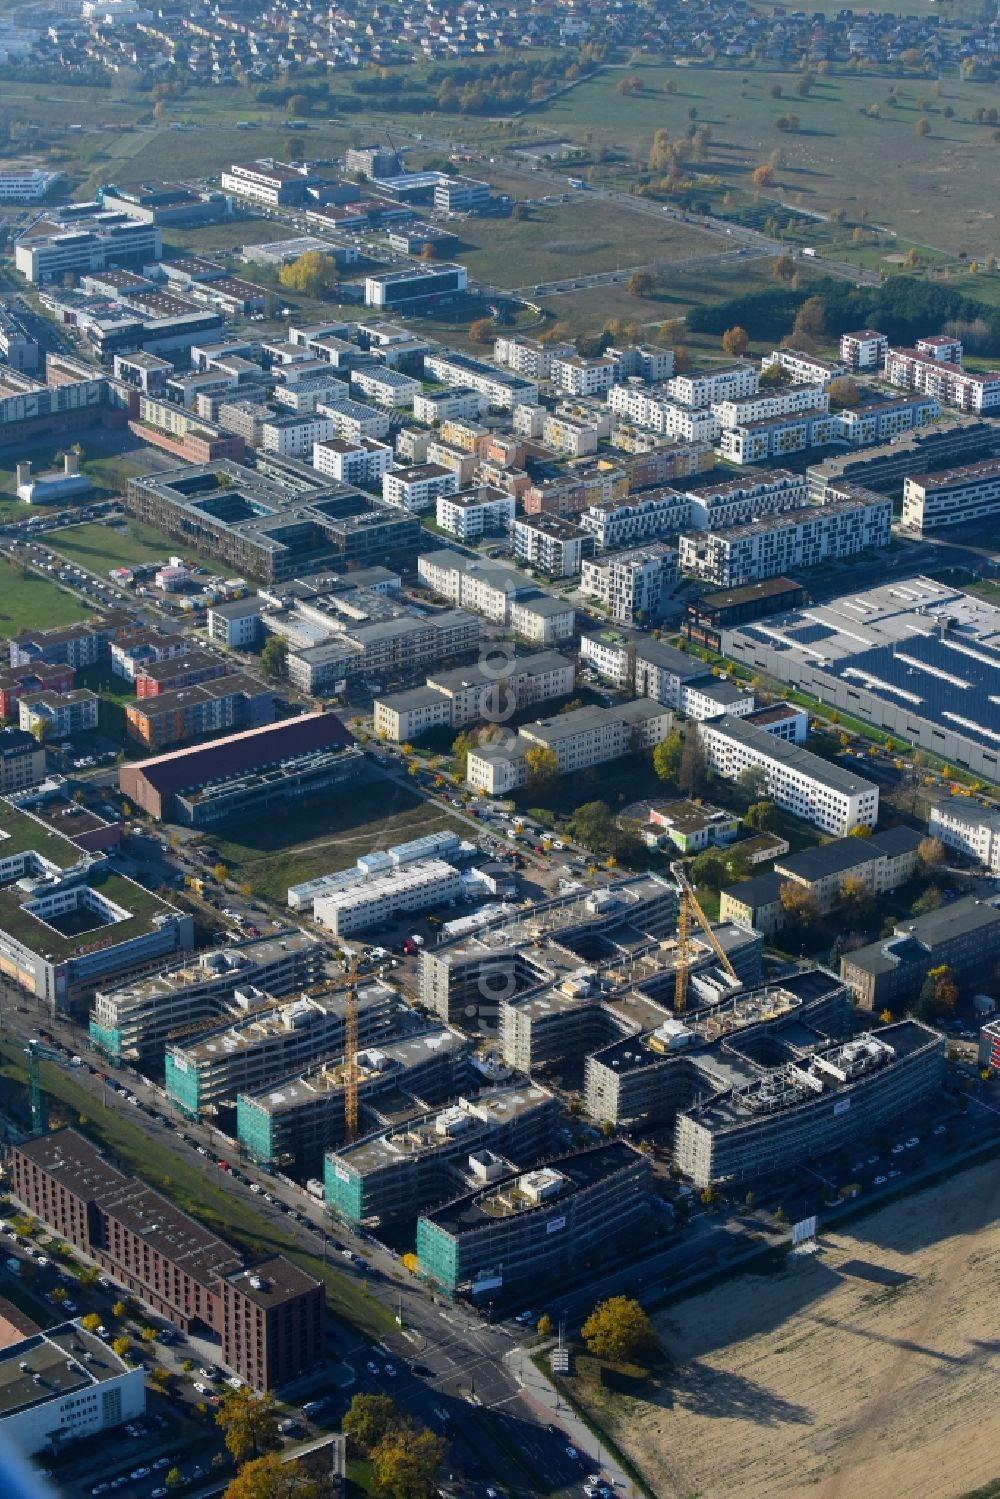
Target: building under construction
[
  {"x": 793, "y": 1094},
  {"x": 291, "y": 1123}
]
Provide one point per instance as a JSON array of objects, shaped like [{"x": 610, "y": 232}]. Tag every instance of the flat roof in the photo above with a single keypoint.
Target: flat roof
[
  {"x": 64, "y": 1360},
  {"x": 272, "y": 1282},
  {"x": 825, "y": 771}
]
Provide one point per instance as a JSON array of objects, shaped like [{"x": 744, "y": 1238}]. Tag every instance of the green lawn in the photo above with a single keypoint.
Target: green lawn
[
  {"x": 104, "y": 547},
  {"x": 276, "y": 852},
  {"x": 196, "y": 1191},
  {"x": 29, "y": 601}
]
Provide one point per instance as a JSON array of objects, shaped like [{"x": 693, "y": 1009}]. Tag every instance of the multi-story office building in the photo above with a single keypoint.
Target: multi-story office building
[
  {"x": 823, "y": 1098},
  {"x": 539, "y": 1227},
  {"x": 418, "y": 488},
  {"x": 461, "y": 195},
  {"x": 379, "y": 901},
  {"x": 503, "y": 389},
  {"x": 228, "y": 702},
  {"x": 395, "y": 1175},
  {"x": 175, "y": 1265},
  {"x": 88, "y": 244},
  {"x": 864, "y": 350},
  {"x": 888, "y": 974},
  {"x": 471, "y": 513},
  {"x": 829, "y": 796},
  {"x": 290, "y": 1126},
  {"x": 61, "y": 1386},
  {"x": 631, "y": 585},
  {"x": 639, "y": 518},
  {"x": 131, "y": 1022},
  {"x": 952, "y": 497},
  {"x": 969, "y": 827},
  {"x": 25, "y": 184},
  {"x": 882, "y": 863},
  {"x": 858, "y": 520},
  {"x": 580, "y": 739},
  {"x": 372, "y": 161},
  {"x": 273, "y": 183},
  {"x": 554, "y": 545},
  {"x": 22, "y": 758},
  {"x": 420, "y": 286}
]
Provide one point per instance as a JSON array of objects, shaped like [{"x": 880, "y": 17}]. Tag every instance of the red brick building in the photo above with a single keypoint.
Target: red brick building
[
  {"x": 154, "y": 677},
  {"x": 17, "y": 682}
]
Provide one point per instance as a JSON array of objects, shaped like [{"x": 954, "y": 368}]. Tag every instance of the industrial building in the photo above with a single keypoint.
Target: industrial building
[
  {"x": 132, "y": 1022},
  {"x": 916, "y": 658},
  {"x": 828, "y": 795},
  {"x": 62, "y": 1385},
  {"x": 67, "y": 923},
  {"x": 271, "y": 1039},
  {"x": 537, "y": 1229},
  {"x": 399, "y": 1173},
  {"x": 290, "y": 1124},
  {"x": 963, "y": 935},
  {"x": 253, "y": 771},
  {"x": 170, "y": 1261},
  {"x": 808, "y": 1099}
]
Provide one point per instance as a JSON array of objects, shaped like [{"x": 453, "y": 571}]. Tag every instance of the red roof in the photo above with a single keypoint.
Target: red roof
[{"x": 238, "y": 754}]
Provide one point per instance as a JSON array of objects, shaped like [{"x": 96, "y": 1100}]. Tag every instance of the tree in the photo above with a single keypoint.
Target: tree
[
  {"x": 856, "y": 902},
  {"x": 860, "y": 830},
  {"x": 148, "y": 1335},
  {"x": 761, "y": 816},
  {"x": 763, "y": 176},
  {"x": 59, "y": 1295},
  {"x": 249, "y": 1424},
  {"x": 121, "y": 1346},
  {"x": 174, "y": 1479},
  {"x": 428, "y": 250},
  {"x": 641, "y": 284},
  {"x": 309, "y": 274},
  {"x": 735, "y": 341},
  {"x": 542, "y": 765},
  {"x": 930, "y": 854},
  {"x": 922, "y": 127},
  {"x": 782, "y": 268},
  {"x": 270, "y": 1478},
  {"x": 118, "y": 1309},
  {"x": 709, "y": 868},
  {"x": 618, "y": 1329},
  {"x": 671, "y": 330},
  {"x": 788, "y": 123},
  {"x": 407, "y": 1463},
  {"x": 799, "y": 905},
  {"x": 274, "y": 658},
  {"x": 220, "y": 873},
  {"x": 844, "y": 392},
  {"x": 938, "y": 992},
  {"x": 692, "y": 773},
  {"x": 91, "y": 1321},
  {"x": 545, "y": 1328},
  {"x": 368, "y": 1420},
  {"x": 931, "y": 899},
  {"x": 810, "y": 320},
  {"x": 481, "y": 330},
  {"x": 752, "y": 782},
  {"x": 667, "y": 757}
]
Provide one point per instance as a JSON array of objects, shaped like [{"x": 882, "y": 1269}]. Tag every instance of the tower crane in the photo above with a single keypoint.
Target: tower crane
[
  {"x": 351, "y": 1054},
  {"x": 688, "y": 905},
  {"x": 35, "y": 1051}
]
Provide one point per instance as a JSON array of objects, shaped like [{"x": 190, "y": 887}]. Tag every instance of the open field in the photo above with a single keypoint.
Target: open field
[
  {"x": 195, "y": 1190},
  {"x": 280, "y": 851},
  {"x": 29, "y": 601},
  {"x": 869, "y": 1368},
  {"x": 102, "y": 547},
  {"x": 934, "y": 190}
]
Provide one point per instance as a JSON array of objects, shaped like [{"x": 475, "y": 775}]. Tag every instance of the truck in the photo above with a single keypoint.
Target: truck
[{"x": 577, "y": 182}]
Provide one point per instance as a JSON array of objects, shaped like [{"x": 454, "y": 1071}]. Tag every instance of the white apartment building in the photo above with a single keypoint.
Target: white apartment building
[
  {"x": 805, "y": 369},
  {"x": 466, "y": 694},
  {"x": 541, "y": 619},
  {"x": 968, "y": 827},
  {"x": 294, "y": 435},
  {"x": 461, "y": 404},
  {"x": 363, "y": 463},
  {"x": 415, "y": 887},
  {"x": 649, "y": 362},
  {"x": 631, "y": 585},
  {"x": 402, "y": 717},
  {"x": 706, "y": 387},
  {"x": 829, "y": 796},
  {"x": 585, "y": 377},
  {"x": 915, "y": 369},
  {"x": 59, "y": 715},
  {"x": 567, "y": 435},
  {"x": 864, "y": 350},
  {"x": 585, "y": 737},
  {"x": 550, "y": 543},
  {"x": 787, "y": 402},
  {"x": 503, "y": 389},
  {"x": 418, "y": 488},
  {"x": 711, "y": 697},
  {"x": 654, "y": 410},
  {"x": 856, "y": 521},
  {"x": 354, "y": 420},
  {"x": 933, "y": 502},
  {"x": 881, "y": 421},
  {"x": 779, "y": 436},
  {"x": 472, "y": 513},
  {"x": 235, "y": 624},
  {"x": 641, "y": 517},
  {"x": 385, "y": 387},
  {"x": 740, "y": 501},
  {"x": 500, "y": 593},
  {"x": 526, "y": 356}
]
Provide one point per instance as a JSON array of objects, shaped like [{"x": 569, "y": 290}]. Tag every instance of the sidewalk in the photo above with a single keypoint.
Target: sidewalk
[{"x": 544, "y": 1399}]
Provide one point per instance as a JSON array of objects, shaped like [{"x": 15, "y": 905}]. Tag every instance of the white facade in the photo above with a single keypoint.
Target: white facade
[
  {"x": 403, "y": 716},
  {"x": 385, "y": 387},
  {"x": 881, "y": 421},
  {"x": 353, "y": 420},
  {"x": 484, "y": 512},
  {"x": 948, "y": 383},
  {"x": 703, "y": 388},
  {"x": 416, "y": 887},
  {"x": 585, "y": 737},
  {"x": 25, "y": 184},
  {"x": 742, "y": 500},
  {"x": 973, "y": 830},
  {"x": 526, "y": 356},
  {"x": 631, "y": 585},
  {"x": 655, "y": 410},
  {"x": 74, "y": 252},
  {"x": 550, "y": 543},
  {"x": 933, "y": 502},
  {"x": 237, "y": 630},
  {"x": 585, "y": 377},
  {"x": 779, "y": 436},
  {"x": 418, "y": 488},
  {"x": 759, "y": 408},
  {"x": 362, "y": 463},
  {"x": 78, "y": 1399},
  {"x": 450, "y": 405},
  {"x": 503, "y": 389},
  {"x": 295, "y": 436},
  {"x": 829, "y": 797},
  {"x": 645, "y": 517},
  {"x": 863, "y": 350},
  {"x": 805, "y": 369}
]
